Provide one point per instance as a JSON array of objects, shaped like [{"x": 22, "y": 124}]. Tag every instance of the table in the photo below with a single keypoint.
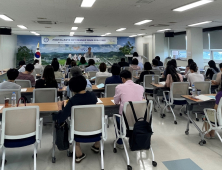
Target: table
[
  {"x": 4, "y": 75},
  {"x": 190, "y": 103},
  {"x": 30, "y": 89},
  {"x": 95, "y": 88},
  {"x": 43, "y": 107}
]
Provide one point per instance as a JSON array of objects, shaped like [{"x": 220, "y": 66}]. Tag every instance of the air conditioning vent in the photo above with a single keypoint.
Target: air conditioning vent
[
  {"x": 145, "y": 1},
  {"x": 46, "y": 22}
]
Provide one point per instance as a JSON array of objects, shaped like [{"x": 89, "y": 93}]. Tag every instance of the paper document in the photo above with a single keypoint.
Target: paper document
[
  {"x": 204, "y": 98},
  {"x": 162, "y": 83},
  {"x": 212, "y": 97},
  {"x": 23, "y": 90},
  {"x": 190, "y": 88},
  {"x": 93, "y": 78},
  {"x": 1, "y": 107},
  {"x": 113, "y": 101},
  {"x": 100, "y": 86},
  {"x": 99, "y": 101}
]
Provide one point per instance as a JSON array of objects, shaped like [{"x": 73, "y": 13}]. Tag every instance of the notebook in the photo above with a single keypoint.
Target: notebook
[
  {"x": 100, "y": 86},
  {"x": 23, "y": 90},
  {"x": 113, "y": 101},
  {"x": 99, "y": 101},
  {"x": 204, "y": 98},
  {"x": 162, "y": 83}
]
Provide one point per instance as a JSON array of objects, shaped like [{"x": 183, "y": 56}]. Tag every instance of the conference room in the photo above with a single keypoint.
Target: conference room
[{"x": 121, "y": 84}]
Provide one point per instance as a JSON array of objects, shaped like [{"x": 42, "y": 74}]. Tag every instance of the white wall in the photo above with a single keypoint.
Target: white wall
[
  {"x": 8, "y": 45},
  {"x": 139, "y": 45}
]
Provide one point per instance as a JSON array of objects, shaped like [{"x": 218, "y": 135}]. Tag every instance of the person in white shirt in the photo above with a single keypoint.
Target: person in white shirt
[
  {"x": 89, "y": 54},
  {"x": 194, "y": 76},
  {"x": 102, "y": 68},
  {"x": 12, "y": 74},
  {"x": 37, "y": 65},
  {"x": 22, "y": 66}
]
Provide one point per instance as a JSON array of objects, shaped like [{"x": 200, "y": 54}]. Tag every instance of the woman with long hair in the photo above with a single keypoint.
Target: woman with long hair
[
  {"x": 82, "y": 61},
  {"x": 172, "y": 76},
  {"x": 57, "y": 72},
  {"x": 103, "y": 72},
  {"x": 212, "y": 70},
  {"x": 48, "y": 79}
]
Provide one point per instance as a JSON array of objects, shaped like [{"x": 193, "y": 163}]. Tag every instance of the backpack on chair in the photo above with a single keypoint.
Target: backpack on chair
[{"x": 140, "y": 136}]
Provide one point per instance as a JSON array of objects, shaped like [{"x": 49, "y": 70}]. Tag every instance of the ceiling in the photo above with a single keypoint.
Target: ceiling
[{"x": 105, "y": 16}]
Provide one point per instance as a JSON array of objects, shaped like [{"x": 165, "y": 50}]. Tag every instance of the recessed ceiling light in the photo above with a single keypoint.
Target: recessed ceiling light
[
  {"x": 107, "y": 33},
  {"x": 163, "y": 30},
  {"x": 74, "y": 28},
  {"x": 103, "y": 35},
  {"x": 22, "y": 26},
  {"x": 142, "y": 22},
  {"x": 193, "y": 5},
  {"x": 34, "y": 33},
  {"x": 133, "y": 36},
  {"x": 79, "y": 19},
  {"x": 71, "y": 33},
  {"x": 121, "y": 29},
  {"x": 200, "y": 23},
  {"x": 87, "y": 3},
  {"x": 140, "y": 34},
  {"x": 4, "y": 17}
]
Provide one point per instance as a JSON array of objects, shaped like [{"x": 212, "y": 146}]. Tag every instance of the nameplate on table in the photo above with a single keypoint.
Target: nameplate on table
[
  {"x": 23, "y": 90},
  {"x": 99, "y": 101},
  {"x": 100, "y": 86}
]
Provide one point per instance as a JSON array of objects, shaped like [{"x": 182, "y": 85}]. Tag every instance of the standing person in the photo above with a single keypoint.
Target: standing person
[
  {"x": 91, "y": 66},
  {"x": 155, "y": 64},
  {"x": 82, "y": 61},
  {"x": 134, "y": 65},
  {"x": 218, "y": 79},
  {"x": 128, "y": 91},
  {"x": 48, "y": 79},
  {"x": 123, "y": 63},
  {"x": 58, "y": 74},
  {"x": 159, "y": 62},
  {"x": 12, "y": 74},
  {"x": 212, "y": 70},
  {"x": 37, "y": 65},
  {"x": 172, "y": 76},
  {"x": 68, "y": 62},
  {"x": 22, "y": 66},
  {"x": 147, "y": 68},
  {"x": 115, "y": 78},
  {"x": 140, "y": 60},
  {"x": 103, "y": 72},
  {"x": 194, "y": 76},
  {"x": 89, "y": 54},
  {"x": 26, "y": 75},
  {"x": 77, "y": 85}
]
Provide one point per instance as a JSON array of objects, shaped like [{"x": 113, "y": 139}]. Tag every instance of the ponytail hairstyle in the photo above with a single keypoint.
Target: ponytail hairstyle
[
  {"x": 35, "y": 61},
  {"x": 193, "y": 67}
]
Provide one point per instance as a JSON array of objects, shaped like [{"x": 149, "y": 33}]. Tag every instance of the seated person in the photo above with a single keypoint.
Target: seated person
[
  {"x": 218, "y": 79},
  {"x": 212, "y": 70},
  {"x": 22, "y": 66},
  {"x": 134, "y": 65},
  {"x": 37, "y": 65},
  {"x": 159, "y": 62},
  {"x": 115, "y": 78},
  {"x": 91, "y": 66},
  {"x": 82, "y": 61},
  {"x": 140, "y": 60},
  {"x": 76, "y": 71},
  {"x": 103, "y": 72},
  {"x": 174, "y": 63},
  {"x": 48, "y": 79},
  {"x": 164, "y": 73},
  {"x": 147, "y": 68},
  {"x": 194, "y": 76},
  {"x": 128, "y": 91},
  {"x": 187, "y": 71},
  {"x": 26, "y": 75},
  {"x": 123, "y": 63},
  {"x": 58, "y": 74},
  {"x": 68, "y": 62},
  {"x": 77, "y": 85},
  {"x": 12, "y": 74},
  {"x": 155, "y": 64},
  {"x": 172, "y": 76}
]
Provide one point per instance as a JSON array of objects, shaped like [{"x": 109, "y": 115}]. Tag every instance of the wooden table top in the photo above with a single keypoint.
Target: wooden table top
[
  {"x": 43, "y": 107},
  {"x": 158, "y": 85},
  {"x": 30, "y": 89},
  {"x": 136, "y": 77},
  {"x": 94, "y": 88},
  {"x": 4, "y": 71},
  {"x": 196, "y": 100}
]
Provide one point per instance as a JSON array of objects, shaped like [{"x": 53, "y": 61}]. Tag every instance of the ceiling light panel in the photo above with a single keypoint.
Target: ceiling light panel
[
  {"x": 34, "y": 33},
  {"x": 22, "y": 26},
  {"x": 193, "y": 5},
  {"x": 79, "y": 20},
  {"x": 87, "y": 3},
  {"x": 163, "y": 30},
  {"x": 142, "y": 22},
  {"x": 200, "y": 23},
  {"x": 4, "y": 17},
  {"x": 133, "y": 36},
  {"x": 121, "y": 29},
  {"x": 71, "y": 33},
  {"x": 74, "y": 28}
]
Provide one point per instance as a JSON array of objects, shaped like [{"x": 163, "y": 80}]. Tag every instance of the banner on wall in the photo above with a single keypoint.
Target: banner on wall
[{"x": 79, "y": 40}]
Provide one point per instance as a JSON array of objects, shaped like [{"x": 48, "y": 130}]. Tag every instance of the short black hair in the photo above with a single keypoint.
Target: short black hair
[
  {"x": 68, "y": 61},
  {"x": 55, "y": 65},
  {"x": 12, "y": 74},
  {"x": 135, "y": 54},
  {"x": 123, "y": 60},
  {"x": 193, "y": 66},
  {"x": 21, "y": 63},
  {"x": 147, "y": 66},
  {"x": 135, "y": 62},
  {"x": 157, "y": 58},
  {"x": 190, "y": 61},
  {"x": 126, "y": 74},
  {"x": 115, "y": 69},
  {"x": 91, "y": 62},
  {"x": 220, "y": 65},
  {"x": 155, "y": 62},
  {"x": 29, "y": 67},
  {"x": 102, "y": 67},
  {"x": 77, "y": 84}
]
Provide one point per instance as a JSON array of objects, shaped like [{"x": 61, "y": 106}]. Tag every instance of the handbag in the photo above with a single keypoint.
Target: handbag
[
  {"x": 62, "y": 134},
  {"x": 19, "y": 101}
]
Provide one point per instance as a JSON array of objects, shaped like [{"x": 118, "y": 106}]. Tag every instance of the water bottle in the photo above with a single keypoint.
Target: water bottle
[
  {"x": 153, "y": 80},
  {"x": 13, "y": 99},
  {"x": 193, "y": 91},
  {"x": 62, "y": 83}
]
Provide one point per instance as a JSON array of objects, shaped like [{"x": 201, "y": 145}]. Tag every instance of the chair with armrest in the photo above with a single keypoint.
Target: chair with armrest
[
  {"x": 94, "y": 131},
  {"x": 92, "y": 74},
  {"x": 156, "y": 72},
  {"x": 140, "y": 108},
  {"x": 21, "y": 126},
  {"x": 72, "y": 93},
  {"x": 7, "y": 93},
  {"x": 23, "y": 83},
  {"x": 176, "y": 91},
  {"x": 38, "y": 70},
  {"x": 101, "y": 79},
  {"x": 44, "y": 95}
]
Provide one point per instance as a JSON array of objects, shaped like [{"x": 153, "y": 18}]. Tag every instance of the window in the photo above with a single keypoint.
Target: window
[
  {"x": 179, "y": 54},
  {"x": 206, "y": 55},
  {"x": 217, "y": 55}
]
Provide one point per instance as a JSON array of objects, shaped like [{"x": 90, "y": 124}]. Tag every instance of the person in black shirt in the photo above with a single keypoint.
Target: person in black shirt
[
  {"x": 123, "y": 63},
  {"x": 212, "y": 70},
  {"x": 48, "y": 79},
  {"x": 77, "y": 85},
  {"x": 159, "y": 62},
  {"x": 115, "y": 78},
  {"x": 147, "y": 68}
]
